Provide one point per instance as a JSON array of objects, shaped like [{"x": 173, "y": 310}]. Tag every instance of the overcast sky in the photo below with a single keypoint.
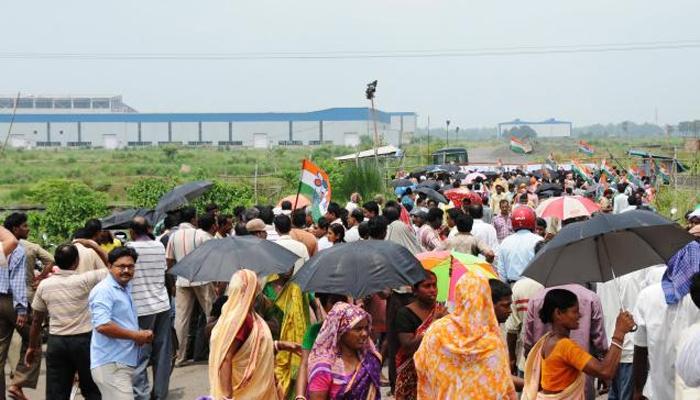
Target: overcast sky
[{"x": 471, "y": 91}]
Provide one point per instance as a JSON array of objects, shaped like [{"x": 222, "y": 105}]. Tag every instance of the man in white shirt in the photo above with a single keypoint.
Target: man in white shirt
[
  {"x": 623, "y": 293},
  {"x": 267, "y": 216},
  {"x": 320, "y": 230},
  {"x": 181, "y": 243},
  {"x": 659, "y": 328},
  {"x": 283, "y": 225},
  {"x": 481, "y": 230},
  {"x": 354, "y": 219},
  {"x": 687, "y": 365},
  {"x": 333, "y": 214},
  {"x": 620, "y": 200},
  {"x": 354, "y": 203}
]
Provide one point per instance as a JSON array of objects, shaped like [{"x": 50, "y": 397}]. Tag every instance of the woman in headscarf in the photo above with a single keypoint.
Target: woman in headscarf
[
  {"x": 556, "y": 367},
  {"x": 241, "y": 357},
  {"x": 343, "y": 363},
  {"x": 462, "y": 356},
  {"x": 410, "y": 325}
]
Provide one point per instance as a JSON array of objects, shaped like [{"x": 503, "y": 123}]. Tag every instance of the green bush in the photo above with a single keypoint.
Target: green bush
[
  {"x": 227, "y": 196},
  {"x": 146, "y": 192},
  {"x": 68, "y": 205}
]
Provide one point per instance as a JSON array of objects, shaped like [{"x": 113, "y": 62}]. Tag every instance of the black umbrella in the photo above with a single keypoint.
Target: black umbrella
[
  {"x": 360, "y": 268},
  {"x": 216, "y": 260},
  {"x": 553, "y": 187},
  {"x": 429, "y": 183},
  {"x": 401, "y": 183},
  {"x": 606, "y": 246},
  {"x": 431, "y": 194},
  {"x": 182, "y": 195},
  {"x": 122, "y": 219}
]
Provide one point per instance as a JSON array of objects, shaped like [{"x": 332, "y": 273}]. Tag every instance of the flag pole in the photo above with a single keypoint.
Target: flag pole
[{"x": 301, "y": 175}]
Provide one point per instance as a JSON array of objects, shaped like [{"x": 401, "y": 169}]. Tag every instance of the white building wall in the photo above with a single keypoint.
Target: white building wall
[
  {"x": 214, "y": 132},
  {"x": 94, "y": 132},
  {"x": 552, "y": 130},
  {"x": 154, "y": 132},
  {"x": 184, "y": 132},
  {"x": 64, "y": 132},
  {"x": 305, "y": 131}
]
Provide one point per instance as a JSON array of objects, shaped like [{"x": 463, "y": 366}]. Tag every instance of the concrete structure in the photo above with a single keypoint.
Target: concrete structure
[
  {"x": 63, "y": 104},
  {"x": 544, "y": 129},
  {"x": 339, "y": 126}
]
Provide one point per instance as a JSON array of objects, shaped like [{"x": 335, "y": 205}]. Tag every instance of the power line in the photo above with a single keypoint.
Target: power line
[{"x": 368, "y": 54}]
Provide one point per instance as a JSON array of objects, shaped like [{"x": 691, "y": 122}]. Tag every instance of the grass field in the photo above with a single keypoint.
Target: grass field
[{"x": 111, "y": 172}]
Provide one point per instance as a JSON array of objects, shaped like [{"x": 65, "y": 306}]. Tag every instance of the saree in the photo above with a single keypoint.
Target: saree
[
  {"x": 462, "y": 355},
  {"x": 406, "y": 377},
  {"x": 325, "y": 359},
  {"x": 253, "y": 364},
  {"x": 533, "y": 369},
  {"x": 295, "y": 309}
]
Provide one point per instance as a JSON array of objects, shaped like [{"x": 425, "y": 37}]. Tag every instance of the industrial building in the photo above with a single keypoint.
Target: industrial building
[
  {"x": 107, "y": 122},
  {"x": 544, "y": 129}
]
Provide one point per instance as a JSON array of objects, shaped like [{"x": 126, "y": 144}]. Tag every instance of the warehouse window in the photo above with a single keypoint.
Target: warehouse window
[
  {"x": 62, "y": 103},
  {"x": 100, "y": 103},
  {"x": 81, "y": 103},
  {"x": 7, "y": 103},
  {"x": 25, "y": 103},
  {"x": 43, "y": 103}
]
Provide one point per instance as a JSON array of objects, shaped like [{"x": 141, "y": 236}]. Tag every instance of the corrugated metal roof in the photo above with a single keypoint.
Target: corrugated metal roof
[{"x": 331, "y": 114}]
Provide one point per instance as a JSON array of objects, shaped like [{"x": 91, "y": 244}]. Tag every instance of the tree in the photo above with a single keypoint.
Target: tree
[
  {"x": 146, "y": 192},
  {"x": 68, "y": 205}
]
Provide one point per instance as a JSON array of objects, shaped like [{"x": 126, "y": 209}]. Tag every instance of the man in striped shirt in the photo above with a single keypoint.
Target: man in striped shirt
[
  {"x": 64, "y": 297},
  {"x": 153, "y": 310},
  {"x": 181, "y": 243}
]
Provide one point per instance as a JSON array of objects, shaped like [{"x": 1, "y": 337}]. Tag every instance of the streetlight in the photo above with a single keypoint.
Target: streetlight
[
  {"x": 369, "y": 93},
  {"x": 447, "y": 131}
]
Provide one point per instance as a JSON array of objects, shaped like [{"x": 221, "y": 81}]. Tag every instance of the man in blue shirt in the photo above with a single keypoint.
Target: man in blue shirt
[
  {"x": 517, "y": 250},
  {"x": 14, "y": 306},
  {"x": 116, "y": 337}
]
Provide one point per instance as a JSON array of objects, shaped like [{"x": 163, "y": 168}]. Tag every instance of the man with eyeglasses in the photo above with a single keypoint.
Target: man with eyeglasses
[{"x": 116, "y": 337}]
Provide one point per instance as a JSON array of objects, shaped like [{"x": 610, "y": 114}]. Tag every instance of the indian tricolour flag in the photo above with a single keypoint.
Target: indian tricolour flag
[
  {"x": 633, "y": 175},
  {"x": 316, "y": 186},
  {"x": 582, "y": 171},
  {"x": 605, "y": 169},
  {"x": 519, "y": 146},
  {"x": 585, "y": 148}
]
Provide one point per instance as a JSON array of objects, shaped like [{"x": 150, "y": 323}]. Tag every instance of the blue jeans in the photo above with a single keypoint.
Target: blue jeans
[
  {"x": 621, "y": 388},
  {"x": 159, "y": 353}
]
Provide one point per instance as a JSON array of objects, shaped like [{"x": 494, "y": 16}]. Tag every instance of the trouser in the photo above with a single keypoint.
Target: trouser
[
  {"x": 395, "y": 302},
  {"x": 66, "y": 355},
  {"x": 621, "y": 388},
  {"x": 114, "y": 381},
  {"x": 23, "y": 376},
  {"x": 198, "y": 348},
  {"x": 159, "y": 353},
  {"x": 184, "y": 303}
]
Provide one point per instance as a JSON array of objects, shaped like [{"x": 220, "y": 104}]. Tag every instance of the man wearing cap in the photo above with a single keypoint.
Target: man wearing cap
[{"x": 256, "y": 227}]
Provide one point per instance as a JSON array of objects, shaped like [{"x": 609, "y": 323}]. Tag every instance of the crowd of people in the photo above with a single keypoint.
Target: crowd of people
[{"x": 113, "y": 312}]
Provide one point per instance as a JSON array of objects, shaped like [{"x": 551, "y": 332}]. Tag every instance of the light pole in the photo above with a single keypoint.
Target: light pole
[
  {"x": 456, "y": 133},
  {"x": 447, "y": 131},
  {"x": 369, "y": 93}
]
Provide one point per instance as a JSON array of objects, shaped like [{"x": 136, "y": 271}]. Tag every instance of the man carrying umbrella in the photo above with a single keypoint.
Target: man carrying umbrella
[
  {"x": 181, "y": 243},
  {"x": 663, "y": 311}
]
